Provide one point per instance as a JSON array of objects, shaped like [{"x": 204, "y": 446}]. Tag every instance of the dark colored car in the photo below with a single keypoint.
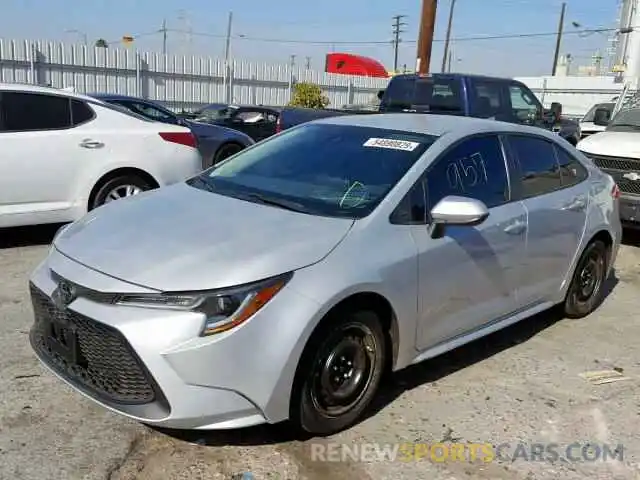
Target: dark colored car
[
  {"x": 257, "y": 122},
  {"x": 214, "y": 142},
  {"x": 500, "y": 99}
]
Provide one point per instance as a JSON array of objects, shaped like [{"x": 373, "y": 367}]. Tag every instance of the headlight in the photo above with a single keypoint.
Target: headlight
[{"x": 224, "y": 309}]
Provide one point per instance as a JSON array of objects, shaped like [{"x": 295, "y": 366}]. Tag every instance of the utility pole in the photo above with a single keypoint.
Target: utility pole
[
  {"x": 308, "y": 63},
  {"x": 164, "y": 36},
  {"x": 292, "y": 61},
  {"x": 397, "y": 24},
  {"x": 227, "y": 45},
  {"x": 425, "y": 39},
  {"x": 449, "y": 61},
  {"x": 448, "y": 38},
  {"x": 556, "y": 54}
]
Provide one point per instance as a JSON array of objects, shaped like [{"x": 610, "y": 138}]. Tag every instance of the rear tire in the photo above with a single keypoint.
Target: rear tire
[
  {"x": 339, "y": 372},
  {"x": 586, "y": 289},
  {"x": 225, "y": 151},
  {"x": 119, "y": 187}
]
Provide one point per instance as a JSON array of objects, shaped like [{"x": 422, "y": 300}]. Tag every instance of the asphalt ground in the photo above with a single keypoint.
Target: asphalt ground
[{"x": 515, "y": 393}]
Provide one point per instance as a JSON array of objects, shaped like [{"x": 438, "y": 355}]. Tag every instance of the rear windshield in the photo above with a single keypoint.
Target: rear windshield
[
  {"x": 423, "y": 94},
  {"x": 319, "y": 169}
]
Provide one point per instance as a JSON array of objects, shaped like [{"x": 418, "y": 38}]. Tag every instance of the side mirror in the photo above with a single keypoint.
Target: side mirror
[
  {"x": 602, "y": 117},
  {"x": 380, "y": 94},
  {"x": 454, "y": 210}
]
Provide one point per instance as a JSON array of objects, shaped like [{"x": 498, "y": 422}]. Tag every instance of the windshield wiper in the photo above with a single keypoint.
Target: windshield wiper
[{"x": 277, "y": 202}]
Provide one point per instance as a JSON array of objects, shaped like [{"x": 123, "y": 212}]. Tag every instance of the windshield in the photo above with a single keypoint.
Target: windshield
[
  {"x": 591, "y": 114},
  {"x": 319, "y": 169},
  {"x": 430, "y": 94},
  {"x": 625, "y": 119}
]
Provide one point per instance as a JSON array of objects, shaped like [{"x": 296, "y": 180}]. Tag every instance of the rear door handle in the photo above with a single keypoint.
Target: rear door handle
[
  {"x": 515, "y": 228},
  {"x": 88, "y": 143},
  {"x": 576, "y": 205}
]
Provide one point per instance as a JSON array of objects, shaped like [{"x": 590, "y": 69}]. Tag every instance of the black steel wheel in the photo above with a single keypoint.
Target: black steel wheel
[
  {"x": 586, "y": 288},
  {"x": 339, "y": 373}
]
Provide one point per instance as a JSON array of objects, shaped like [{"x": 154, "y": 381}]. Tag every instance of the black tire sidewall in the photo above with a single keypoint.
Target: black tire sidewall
[
  {"x": 112, "y": 183},
  {"x": 223, "y": 152},
  {"x": 573, "y": 309},
  {"x": 303, "y": 413}
]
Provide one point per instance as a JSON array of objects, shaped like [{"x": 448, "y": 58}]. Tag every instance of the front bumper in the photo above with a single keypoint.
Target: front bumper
[{"x": 152, "y": 366}]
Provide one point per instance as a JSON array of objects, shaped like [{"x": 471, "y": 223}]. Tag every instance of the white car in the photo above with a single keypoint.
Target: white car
[{"x": 63, "y": 154}]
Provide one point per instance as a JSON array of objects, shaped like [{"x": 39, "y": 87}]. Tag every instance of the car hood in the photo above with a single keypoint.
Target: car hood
[
  {"x": 612, "y": 143},
  {"x": 180, "y": 238}
]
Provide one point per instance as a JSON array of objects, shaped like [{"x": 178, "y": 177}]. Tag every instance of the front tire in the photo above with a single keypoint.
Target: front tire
[
  {"x": 586, "y": 288},
  {"x": 339, "y": 373}
]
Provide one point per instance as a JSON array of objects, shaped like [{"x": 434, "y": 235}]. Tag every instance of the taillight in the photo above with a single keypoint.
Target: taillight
[
  {"x": 615, "y": 191},
  {"x": 183, "y": 138}
]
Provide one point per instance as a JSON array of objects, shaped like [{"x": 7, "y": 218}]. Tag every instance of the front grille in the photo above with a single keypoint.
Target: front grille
[
  {"x": 628, "y": 186},
  {"x": 617, "y": 167},
  {"x": 614, "y": 163},
  {"x": 98, "y": 359}
]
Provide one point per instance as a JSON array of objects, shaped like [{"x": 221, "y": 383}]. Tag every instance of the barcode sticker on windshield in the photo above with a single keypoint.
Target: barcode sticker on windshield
[{"x": 391, "y": 143}]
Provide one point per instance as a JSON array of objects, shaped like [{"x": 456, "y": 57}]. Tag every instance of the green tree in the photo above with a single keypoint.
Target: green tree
[
  {"x": 308, "y": 95},
  {"x": 101, "y": 43}
]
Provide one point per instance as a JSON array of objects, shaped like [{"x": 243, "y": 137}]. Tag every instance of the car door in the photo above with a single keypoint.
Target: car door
[
  {"x": 470, "y": 276},
  {"x": 40, "y": 151},
  {"x": 556, "y": 203}
]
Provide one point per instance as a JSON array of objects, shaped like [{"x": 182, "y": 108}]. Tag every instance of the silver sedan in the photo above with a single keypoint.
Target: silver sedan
[{"x": 282, "y": 283}]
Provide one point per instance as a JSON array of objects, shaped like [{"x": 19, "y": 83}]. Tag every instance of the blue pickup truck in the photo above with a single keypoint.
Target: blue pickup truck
[{"x": 501, "y": 99}]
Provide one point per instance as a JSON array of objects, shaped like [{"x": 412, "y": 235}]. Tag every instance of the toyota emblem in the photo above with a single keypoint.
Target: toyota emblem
[{"x": 64, "y": 294}]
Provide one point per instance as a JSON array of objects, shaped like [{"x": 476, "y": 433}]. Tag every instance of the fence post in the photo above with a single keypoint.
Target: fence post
[
  {"x": 32, "y": 62},
  {"x": 350, "y": 93},
  {"x": 138, "y": 75},
  {"x": 544, "y": 89}
]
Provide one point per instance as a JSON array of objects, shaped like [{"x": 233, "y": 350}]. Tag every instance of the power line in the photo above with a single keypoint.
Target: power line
[{"x": 386, "y": 42}]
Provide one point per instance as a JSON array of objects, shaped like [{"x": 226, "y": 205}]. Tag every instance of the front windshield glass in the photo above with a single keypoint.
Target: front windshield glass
[
  {"x": 625, "y": 120},
  {"x": 319, "y": 169},
  {"x": 591, "y": 114}
]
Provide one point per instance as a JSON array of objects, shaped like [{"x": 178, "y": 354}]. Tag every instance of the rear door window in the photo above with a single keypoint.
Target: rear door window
[
  {"x": 539, "y": 169},
  {"x": 26, "y": 111}
]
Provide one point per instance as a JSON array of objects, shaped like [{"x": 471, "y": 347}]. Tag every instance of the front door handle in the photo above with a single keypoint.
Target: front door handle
[
  {"x": 88, "y": 143},
  {"x": 516, "y": 228},
  {"x": 576, "y": 205}
]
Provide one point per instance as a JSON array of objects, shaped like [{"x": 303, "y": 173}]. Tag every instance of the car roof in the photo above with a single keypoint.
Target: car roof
[
  {"x": 455, "y": 75},
  {"x": 432, "y": 124},
  {"x": 30, "y": 88}
]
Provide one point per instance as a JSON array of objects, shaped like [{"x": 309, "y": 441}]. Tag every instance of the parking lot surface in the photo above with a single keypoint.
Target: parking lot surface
[{"x": 520, "y": 385}]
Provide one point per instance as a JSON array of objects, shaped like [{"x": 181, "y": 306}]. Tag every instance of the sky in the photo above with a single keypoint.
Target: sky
[{"x": 355, "y": 26}]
